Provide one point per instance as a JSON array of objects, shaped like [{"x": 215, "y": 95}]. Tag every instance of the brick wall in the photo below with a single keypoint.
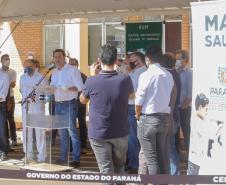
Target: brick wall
[{"x": 27, "y": 37}]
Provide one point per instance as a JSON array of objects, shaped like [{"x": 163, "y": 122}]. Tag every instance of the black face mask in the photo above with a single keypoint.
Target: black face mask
[
  {"x": 28, "y": 70},
  {"x": 132, "y": 65}
]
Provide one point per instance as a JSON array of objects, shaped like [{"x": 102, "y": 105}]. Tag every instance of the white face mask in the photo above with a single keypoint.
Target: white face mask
[
  {"x": 178, "y": 64},
  {"x": 30, "y": 57}
]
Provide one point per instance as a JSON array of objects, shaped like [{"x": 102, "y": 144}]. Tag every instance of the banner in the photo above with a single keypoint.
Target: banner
[
  {"x": 141, "y": 35},
  {"x": 207, "y": 153},
  {"x": 15, "y": 175}
]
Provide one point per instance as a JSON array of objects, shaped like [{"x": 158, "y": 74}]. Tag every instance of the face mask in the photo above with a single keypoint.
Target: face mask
[
  {"x": 30, "y": 57},
  {"x": 178, "y": 64},
  {"x": 132, "y": 65},
  {"x": 28, "y": 70}
]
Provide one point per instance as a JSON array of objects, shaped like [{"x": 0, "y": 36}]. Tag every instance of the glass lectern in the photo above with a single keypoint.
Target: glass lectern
[{"x": 42, "y": 151}]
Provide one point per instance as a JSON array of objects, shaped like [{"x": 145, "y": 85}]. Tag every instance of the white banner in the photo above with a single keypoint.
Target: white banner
[{"x": 207, "y": 153}]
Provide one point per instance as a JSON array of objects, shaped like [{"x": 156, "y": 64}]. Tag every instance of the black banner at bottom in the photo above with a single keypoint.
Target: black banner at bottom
[{"x": 113, "y": 178}]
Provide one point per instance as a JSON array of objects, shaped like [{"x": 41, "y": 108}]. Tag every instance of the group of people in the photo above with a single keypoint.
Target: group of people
[
  {"x": 136, "y": 109},
  {"x": 67, "y": 82}
]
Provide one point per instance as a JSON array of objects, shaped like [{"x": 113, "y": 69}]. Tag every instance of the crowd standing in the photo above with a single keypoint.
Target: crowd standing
[{"x": 136, "y": 109}]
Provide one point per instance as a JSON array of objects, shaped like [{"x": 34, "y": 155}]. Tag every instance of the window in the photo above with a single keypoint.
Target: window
[
  {"x": 54, "y": 38},
  {"x": 95, "y": 41},
  {"x": 115, "y": 35}
]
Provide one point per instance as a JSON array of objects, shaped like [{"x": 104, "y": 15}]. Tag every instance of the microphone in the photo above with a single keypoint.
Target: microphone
[{"x": 50, "y": 67}]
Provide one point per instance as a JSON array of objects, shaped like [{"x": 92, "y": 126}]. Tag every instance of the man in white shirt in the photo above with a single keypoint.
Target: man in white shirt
[
  {"x": 5, "y": 60},
  {"x": 68, "y": 82},
  {"x": 4, "y": 87},
  {"x": 152, "y": 112},
  {"x": 35, "y": 106},
  {"x": 138, "y": 66}
]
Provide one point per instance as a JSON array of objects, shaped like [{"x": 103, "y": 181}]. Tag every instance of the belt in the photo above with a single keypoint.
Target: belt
[
  {"x": 66, "y": 101},
  {"x": 154, "y": 114}
]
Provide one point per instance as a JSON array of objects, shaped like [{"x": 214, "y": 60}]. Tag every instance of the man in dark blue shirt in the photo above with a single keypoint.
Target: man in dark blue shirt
[{"x": 108, "y": 93}]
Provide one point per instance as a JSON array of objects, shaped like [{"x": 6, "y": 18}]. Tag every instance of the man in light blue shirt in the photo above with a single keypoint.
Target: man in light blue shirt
[
  {"x": 182, "y": 65},
  {"x": 138, "y": 66},
  {"x": 4, "y": 87}
]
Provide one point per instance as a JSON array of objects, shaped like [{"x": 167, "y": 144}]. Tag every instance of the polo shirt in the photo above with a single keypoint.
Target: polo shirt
[{"x": 108, "y": 93}]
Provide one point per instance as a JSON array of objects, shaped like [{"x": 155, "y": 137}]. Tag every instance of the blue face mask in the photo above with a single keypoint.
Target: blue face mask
[{"x": 28, "y": 70}]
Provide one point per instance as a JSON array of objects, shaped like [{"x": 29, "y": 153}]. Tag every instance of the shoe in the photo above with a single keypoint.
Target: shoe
[
  {"x": 74, "y": 164},
  {"x": 60, "y": 162},
  {"x": 131, "y": 170}
]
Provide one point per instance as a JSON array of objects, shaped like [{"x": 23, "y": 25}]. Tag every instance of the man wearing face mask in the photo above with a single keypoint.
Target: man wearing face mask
[
  {"x": 138, "y": 66},
  {"x": 27, "y": 81},
  {"x": 5, "y": 60},
  {"x": 182, "y": 66},
  {"x": 4, "y": 86},
  {"x": 121, "y": 67}
]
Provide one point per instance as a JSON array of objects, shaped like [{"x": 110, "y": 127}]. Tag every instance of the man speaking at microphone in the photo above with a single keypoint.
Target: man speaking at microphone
[{"x": 68, "y": 82}]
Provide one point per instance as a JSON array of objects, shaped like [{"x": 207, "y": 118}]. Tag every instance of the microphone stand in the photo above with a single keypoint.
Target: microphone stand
[{"x": 32, "y": 93}]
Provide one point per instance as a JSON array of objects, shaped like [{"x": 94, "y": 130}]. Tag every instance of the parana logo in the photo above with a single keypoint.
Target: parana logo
[{"x": 222, "y": 75}]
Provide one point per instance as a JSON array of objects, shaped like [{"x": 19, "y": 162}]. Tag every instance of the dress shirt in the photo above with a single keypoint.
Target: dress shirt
[
  {"x": 154, "y": 90},
  {"x": 186, "y": 84},
  {"x": 134, "y": 75},
  {"x": 27, "y": 83},
  {"x": 4, "y": 85},
  {"x": 68, "y": 76}
]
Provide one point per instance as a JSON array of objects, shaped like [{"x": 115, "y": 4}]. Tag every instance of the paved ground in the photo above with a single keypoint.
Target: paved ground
[
  {"x": 88, "y": 164},
  {"x": 15, "y": 159}
]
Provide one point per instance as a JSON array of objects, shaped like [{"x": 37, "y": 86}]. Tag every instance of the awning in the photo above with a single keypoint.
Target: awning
[{"x": 52, "y": 9}]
